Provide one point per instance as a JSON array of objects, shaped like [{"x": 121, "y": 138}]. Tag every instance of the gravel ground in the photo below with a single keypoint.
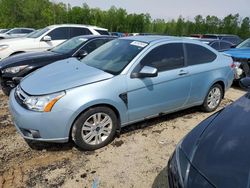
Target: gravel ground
[{"x": 137, "y": 159}]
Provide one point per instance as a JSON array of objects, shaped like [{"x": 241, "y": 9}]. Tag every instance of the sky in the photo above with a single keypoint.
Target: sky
[{"x": 169, "y": 9}]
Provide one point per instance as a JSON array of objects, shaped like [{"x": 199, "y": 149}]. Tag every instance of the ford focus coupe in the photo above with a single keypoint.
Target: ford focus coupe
[{"x": 124, "y": 81}]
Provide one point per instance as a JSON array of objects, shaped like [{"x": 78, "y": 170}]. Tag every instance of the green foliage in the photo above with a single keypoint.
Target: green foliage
[{"x": 40, "y": 13}]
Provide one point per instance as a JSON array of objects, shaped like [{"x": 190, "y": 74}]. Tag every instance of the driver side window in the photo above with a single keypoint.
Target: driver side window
[{"x": 165, "y": 57}]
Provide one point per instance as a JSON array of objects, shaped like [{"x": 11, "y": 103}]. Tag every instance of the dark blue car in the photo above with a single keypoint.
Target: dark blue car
[{"x": 241, "y": 57}]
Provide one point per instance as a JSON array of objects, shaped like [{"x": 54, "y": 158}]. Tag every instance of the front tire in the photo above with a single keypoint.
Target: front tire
[
  {"x": 95, "y": 128},
  {"x": 213, "y": 98}
]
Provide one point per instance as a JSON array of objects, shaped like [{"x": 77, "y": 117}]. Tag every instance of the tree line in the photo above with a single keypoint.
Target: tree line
[{"x": 41, "y": 13}]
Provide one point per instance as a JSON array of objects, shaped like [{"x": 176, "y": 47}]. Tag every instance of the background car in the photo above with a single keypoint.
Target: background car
[
  {"x": 117, "y": 34},
  {"x": 230, "y": 38},
  {"x": 14, "y": 68},
  {"x": 47, "y": 38},
  {"x": 219, "y": 45},
  {"x": 15, "y": 32},
  {"x": 215, "y": 153},
  {"x": 241, "y": 57},
  {"x": 126, "y": 80}
]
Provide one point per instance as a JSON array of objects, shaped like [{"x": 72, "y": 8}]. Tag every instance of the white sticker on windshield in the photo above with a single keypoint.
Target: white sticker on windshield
[{"x": 139, "y": 44}]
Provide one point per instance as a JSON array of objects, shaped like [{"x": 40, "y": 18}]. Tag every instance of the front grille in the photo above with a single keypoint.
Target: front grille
[
  {"x": 173, "y": 175},
  {"x": 20, "y": 96}
]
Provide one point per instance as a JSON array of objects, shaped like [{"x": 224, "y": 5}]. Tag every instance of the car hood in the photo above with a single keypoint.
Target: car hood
[
  {"x": 238, "y": 53},
  {"x": 62, "y": 75},
  {"x": 30, "y": 57},
  {"x": 222, "y": 153}
]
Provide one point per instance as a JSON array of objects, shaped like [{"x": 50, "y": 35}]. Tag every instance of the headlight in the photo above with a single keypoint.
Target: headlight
[
  {"x": 178, "y": 167},
  {"x": 14, "y": 70},
  {"x": 3, "y": 47},
  {"x": 43, "y": 103}
]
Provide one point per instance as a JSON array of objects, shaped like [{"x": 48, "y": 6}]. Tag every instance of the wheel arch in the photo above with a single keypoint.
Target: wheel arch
[
  {"x": 112, "y": 107},
  {"x": 222, "y": 84}
]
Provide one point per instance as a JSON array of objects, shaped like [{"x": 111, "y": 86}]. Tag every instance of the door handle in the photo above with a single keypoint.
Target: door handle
[{"x": 183, "y": 72}]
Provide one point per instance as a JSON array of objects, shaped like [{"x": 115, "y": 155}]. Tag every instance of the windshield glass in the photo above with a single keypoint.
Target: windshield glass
[
  {"x": 114, "y": 56},
  {"x": 244, "y": 44},
  {"x": 69, "y": 45},
  {"x": 38, "y": 33}
]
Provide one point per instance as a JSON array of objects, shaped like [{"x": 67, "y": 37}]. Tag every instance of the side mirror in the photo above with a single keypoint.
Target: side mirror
[
  {"x": 145, "y": 72},
  {"x": 46, "y": 38},
  {"x": 245, "y": 83},
  {"x": 82, "y": 53},
  {"x": 233, "y": 46}
]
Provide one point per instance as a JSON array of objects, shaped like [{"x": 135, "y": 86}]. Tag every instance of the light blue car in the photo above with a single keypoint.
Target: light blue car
[{"x": 124, "y": 81}]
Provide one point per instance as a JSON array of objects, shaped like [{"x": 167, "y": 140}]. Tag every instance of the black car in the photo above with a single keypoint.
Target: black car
[
  {"x": 14, "y": 68},
  {"x": 219, "y": 45},
  {"x": 231, "y": 38},
  {"x": 215, "y": 153}
]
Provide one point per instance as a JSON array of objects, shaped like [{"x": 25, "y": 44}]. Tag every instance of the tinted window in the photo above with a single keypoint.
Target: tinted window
[
  {"x": 26, "y": 31},
  {"x": 15, "y": 31},
  {"x": 231, "y": 39},
  {"x": 165, "y": 57},
  {"x": 76, "y": 31},
  {"x": 225, "y": 45},
  {"x": 197, "y": 54},
  {"x": 102, "y": 32},
  {"x": 215, "y": 45},
  {"x": 92, "y": 45},
  {"x": 61, "y": 33}
]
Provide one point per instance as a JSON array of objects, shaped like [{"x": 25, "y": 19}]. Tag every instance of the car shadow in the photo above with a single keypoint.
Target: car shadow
[
  {"x": 39, "y": 146},
  {"x": 161, "y": 180}
]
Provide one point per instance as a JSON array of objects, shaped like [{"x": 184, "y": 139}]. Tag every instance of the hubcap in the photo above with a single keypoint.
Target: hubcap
[
  {"x": 97, "y": 128},
  {"x": 214, "y": 98}
]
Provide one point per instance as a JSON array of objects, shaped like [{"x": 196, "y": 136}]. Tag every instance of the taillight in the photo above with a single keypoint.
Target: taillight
[{"x": 232, "y": 65}]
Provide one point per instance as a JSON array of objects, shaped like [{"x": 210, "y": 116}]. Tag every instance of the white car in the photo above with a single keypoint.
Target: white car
[
  {"x": 46, "y": 38},
  {"x": 15, "y": 32}
]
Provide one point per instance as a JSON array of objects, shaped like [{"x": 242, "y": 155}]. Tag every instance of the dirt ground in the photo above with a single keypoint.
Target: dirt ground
[{"x": 137, "y": 159}]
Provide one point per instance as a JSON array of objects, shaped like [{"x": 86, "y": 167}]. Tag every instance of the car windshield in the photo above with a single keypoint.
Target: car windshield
[
  {"x": 38, "y": 33},
  {"x": 114, "y": 56},
  {"x": 69, "y": 45},
  {"x": 244, "y": 44}
]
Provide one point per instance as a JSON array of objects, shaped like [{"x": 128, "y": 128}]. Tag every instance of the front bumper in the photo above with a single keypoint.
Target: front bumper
[{"x": 39, "y": 126}]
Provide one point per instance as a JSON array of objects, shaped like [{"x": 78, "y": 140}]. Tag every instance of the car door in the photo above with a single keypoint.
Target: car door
[
  {"x": 166, "y": 92},
  {"x": 201, "y": 67},
  {"x": 58, "y": 35}
]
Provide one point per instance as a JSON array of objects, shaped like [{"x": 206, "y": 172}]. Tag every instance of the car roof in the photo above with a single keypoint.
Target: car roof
[
  {"x": 221, "y": 35},
  {"x": 75, "y": 25},
  {"x": 152, "y": 38},
  {"x": 96, "y": 36}
]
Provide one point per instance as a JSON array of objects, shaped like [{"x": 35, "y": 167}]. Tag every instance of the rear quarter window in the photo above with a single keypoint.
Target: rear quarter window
[
  {"x": 197, "y": 54},
  {"x": 102, "y": 32}
]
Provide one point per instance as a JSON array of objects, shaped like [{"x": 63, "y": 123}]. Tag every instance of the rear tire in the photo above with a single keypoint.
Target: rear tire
[
  {"x": 95, "y": 128},
  {"x": 213, "y": 98}
]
